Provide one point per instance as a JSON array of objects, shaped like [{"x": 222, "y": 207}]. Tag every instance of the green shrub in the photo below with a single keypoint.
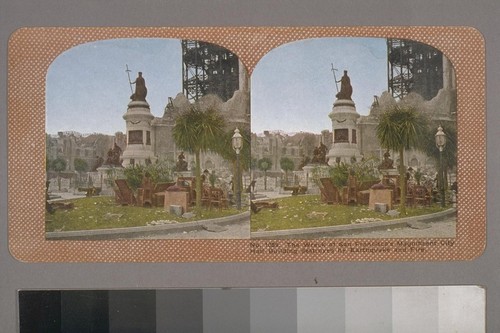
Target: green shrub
[{"x": 160, "y": 172}]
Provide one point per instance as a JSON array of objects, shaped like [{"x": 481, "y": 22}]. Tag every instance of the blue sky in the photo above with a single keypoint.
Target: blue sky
[
  {"x": 292, "y": 86},
  {"x": 88, "y": 89}
]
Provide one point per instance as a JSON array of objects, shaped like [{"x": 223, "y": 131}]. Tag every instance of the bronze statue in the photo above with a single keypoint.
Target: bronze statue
[
  {"x": 305, "y": 161},
  {"x": 114, "y": 155},
  {"x": 140, "y": 89},
  {"x": 345, "y": 87},
  {"x": 181, "y": 164},
  {"x": 98, "y": 163},
  {"x": 319, "y": 154},
  {"x": 387, "y": 163}
]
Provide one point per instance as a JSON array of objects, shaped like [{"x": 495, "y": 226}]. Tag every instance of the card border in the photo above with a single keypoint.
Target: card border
[{"x": 31, "y": 51}]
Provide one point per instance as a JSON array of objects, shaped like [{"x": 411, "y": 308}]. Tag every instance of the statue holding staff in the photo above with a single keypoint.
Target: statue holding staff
[
  {"x": 345, "y": 87},
  {"x": 140, "y": 89}
]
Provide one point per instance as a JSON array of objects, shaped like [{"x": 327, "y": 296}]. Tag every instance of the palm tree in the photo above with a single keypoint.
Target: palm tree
[
  {"x": 197, "y": 131},
  {"x": 400, "y": 128}
]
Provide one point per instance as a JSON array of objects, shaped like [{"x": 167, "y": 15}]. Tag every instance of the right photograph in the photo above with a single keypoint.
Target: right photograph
[{"x": 353, "y": 138}]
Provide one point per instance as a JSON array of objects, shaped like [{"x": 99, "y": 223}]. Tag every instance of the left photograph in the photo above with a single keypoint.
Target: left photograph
[{"x": 147, "y": 138}]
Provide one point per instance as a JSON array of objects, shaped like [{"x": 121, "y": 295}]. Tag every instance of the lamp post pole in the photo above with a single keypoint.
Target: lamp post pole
[
  {"x": 238, "y": 189},
  {"x": 237, "y": 142},
  {"x": 440, "y": 144},
  {"x": 442, "y": 177}
]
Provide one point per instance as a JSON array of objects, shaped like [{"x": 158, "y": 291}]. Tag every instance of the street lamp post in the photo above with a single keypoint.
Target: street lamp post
[
  {"x": 440, "y": 144},
  {"x": 237, "y": 142}
]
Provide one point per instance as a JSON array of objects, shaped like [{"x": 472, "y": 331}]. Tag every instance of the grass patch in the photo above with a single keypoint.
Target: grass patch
[
  {"x": 307, "y": 211},
  {"x": 103, "y": 213}
]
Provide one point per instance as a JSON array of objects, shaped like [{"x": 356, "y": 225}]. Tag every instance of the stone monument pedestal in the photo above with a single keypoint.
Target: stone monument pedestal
[
  {"x": 176, "y": 198},
  {"x": 312, "y": 174},
  {"x": 107, "y": 175},
  {"x": 184, "y": 174},
  {"x": 389, "y": 172},
  {"x": 345, "y": 132},
  {"x": 139, "y": 138},
  {"x": 380, "y": 195},
  {"x": 389, "y": 175}
]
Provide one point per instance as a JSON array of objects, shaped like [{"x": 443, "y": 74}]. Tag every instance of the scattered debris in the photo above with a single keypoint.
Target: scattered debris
[
  {"x": 366, "y": 220},
  {"x": 63, "y": 205},
  {"x": 315, "y": 215},
  {"x": 256, "y": 206},
  {"x": 393, "y": 213},
  {"x": 381, "y": 207},
  {"x": 214, "y": 228},
  {"x": 109, "y": 216},
  {"x": 418, "y": 225},
  {"x": 161, "y": 222},
  {"x": 189, "y": 215},
  {"x": 176, "y": 210}
]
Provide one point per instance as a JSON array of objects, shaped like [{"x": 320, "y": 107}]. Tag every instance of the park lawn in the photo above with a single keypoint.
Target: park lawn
[
  {"x": 103, "y": 213},
  {"x": 307, "y": 211}
]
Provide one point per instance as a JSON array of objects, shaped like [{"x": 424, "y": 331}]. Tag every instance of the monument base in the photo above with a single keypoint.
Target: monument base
[
  {"x": 343, "y": 155},
  {"x": 176, "y": 198},
  {"x": 184, "y": 174},
  {"x": 312, "y": 174},
  {"x": 379, "y": 197},
  {"x": 107, "y": 176},
  {"x": 389, "y": 172},
  {"x": 344, "y": 147}
]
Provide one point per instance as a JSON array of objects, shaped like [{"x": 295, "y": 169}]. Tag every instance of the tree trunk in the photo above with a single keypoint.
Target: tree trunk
[
  {"x": 265, "y": 180},
  {"x": 402, "y": 182},
  {"x": 197, "y": 174}
]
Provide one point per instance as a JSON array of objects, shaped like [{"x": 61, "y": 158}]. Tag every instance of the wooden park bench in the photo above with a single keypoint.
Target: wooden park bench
[
  {"x": 123, "y": 193},
  {"x": 329, "y": 193},
  {"x": 214, "y": 197}
]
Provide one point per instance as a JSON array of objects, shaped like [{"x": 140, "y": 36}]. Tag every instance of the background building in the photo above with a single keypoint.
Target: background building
[
  {"x": 413, "y": 67},
  {"x": 209, "y": 69}
]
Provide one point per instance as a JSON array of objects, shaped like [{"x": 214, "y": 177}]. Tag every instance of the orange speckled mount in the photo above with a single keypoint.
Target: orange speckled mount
[{"x": 32, "y": 50}]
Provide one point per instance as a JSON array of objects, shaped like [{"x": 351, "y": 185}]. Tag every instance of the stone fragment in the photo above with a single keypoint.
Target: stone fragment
[
  {"x": 381, "y": 207},
  {"x": 393, "y": 213},
  {"x": 214, "y": 228},
  {"x": 110, "y": 216},
  {"x": 188, "y": 215},
  {"x": 176, "y": 210},
  {"x": 418, "y": 225}
]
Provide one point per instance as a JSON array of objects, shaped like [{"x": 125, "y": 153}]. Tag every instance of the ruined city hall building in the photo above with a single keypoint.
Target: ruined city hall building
[{"x": 430, "y": 88}]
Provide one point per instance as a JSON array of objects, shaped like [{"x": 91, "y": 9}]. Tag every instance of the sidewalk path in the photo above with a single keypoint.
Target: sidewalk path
[
  {"x": 441, "y": 229},
  {"x": 232, "y": 231}
]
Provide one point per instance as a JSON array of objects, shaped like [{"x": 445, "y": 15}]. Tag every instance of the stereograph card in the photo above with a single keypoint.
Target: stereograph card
[{"x": 246, "y": 144}]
